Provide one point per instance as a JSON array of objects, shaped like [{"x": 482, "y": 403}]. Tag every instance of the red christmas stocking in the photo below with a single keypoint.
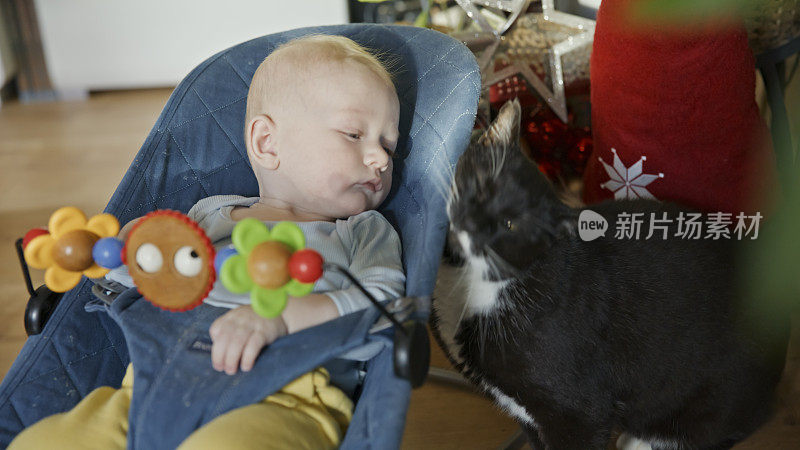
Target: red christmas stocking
[{"x": 674, "y": 116}]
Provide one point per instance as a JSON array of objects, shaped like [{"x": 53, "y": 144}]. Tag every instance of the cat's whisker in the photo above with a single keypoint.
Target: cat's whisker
[
  {"x": 454, "y": 187},
  {"x": 481, "y": 343},
  {"x": 440, "y": 169},
  {"x": 493, "y": 264},
  {"x": 464, "y": 309},
  {"x": 461, "y": 317},
  {"x": 444, "y": 181},
  {"x": 500, "y": 265},
  {"x": 441, "y": 184},
  {"x": 462, "y": 273},
  {"x": 493, "y": 156},
  {"x": 451, "y": 184}
]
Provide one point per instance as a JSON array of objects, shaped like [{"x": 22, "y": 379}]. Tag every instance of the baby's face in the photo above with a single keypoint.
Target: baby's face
[{"x": 336, "y": 147}]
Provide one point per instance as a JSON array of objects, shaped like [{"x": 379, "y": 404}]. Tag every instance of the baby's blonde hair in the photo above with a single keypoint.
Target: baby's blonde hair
[{"x": 285, "y": 61}]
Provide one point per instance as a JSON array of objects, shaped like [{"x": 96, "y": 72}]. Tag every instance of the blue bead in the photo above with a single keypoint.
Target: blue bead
[
  {"x": 107, "y": 252},
  {"x": 222, "y": 255}
]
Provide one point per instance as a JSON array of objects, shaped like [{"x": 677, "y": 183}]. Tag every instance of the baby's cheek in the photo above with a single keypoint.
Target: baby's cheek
[
  {"x": 328, "y": 189},
  {"x": 332, "y": 183},
  {"x": 356, "y": 201}
]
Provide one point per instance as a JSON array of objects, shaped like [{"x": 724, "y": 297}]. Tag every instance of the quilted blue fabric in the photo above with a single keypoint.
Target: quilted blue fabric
[
  {"x": 176, "y": 390},
  {"x": 196, "y": 149}
]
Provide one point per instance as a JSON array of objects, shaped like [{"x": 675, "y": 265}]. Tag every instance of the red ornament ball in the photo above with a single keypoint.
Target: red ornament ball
[
  {"x": 305, "y": 266},
  {"x": 579, "y": 153},
  {"x": 554, "y": 127},
  {"x": 32, "y": 234},
  {"x": 551, "y": 168}
]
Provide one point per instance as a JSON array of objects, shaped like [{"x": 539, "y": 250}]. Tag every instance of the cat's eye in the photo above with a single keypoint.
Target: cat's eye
[{"x": 509, "y": 225}]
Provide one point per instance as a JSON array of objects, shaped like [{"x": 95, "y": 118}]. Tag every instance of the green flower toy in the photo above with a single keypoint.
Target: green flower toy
[{"x": 270, "y": 264}]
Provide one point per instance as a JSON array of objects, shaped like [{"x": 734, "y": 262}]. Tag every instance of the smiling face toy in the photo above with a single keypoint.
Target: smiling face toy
[{"x": 170, "y": 259}]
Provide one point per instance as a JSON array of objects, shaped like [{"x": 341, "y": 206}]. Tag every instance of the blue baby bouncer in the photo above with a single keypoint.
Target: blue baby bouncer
[{"x": 195, "y": 150}]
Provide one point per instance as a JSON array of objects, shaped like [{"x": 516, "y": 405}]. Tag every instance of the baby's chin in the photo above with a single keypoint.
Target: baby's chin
[
  {"x": 360, "y": 204},
  {"x": 354, "y": 211}
]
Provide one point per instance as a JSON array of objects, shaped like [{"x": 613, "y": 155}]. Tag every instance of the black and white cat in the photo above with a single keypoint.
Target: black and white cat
[{"x": 575, "y": 339}]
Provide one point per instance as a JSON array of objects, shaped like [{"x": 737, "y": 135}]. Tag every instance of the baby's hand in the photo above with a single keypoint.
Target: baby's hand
[{"x": 241, "y": 334}]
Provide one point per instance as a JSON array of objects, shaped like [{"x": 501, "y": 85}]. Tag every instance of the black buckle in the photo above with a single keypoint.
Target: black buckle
[{"x": 42, "y": 302}]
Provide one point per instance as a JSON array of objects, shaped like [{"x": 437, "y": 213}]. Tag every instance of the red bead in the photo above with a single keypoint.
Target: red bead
[
  {"x": 31, "y": 234},
  {"x": 305, "y": 266}
]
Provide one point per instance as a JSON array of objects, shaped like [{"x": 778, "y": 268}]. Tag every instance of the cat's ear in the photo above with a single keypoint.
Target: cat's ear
[{"x": 505, "y": 128}]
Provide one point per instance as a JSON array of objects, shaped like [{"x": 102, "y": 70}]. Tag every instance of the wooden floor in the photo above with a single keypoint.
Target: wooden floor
[{"x": 75, "y": 153}]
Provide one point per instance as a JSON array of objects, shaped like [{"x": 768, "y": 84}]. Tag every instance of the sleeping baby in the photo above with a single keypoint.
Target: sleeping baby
[{"x": 321, "y": 128}]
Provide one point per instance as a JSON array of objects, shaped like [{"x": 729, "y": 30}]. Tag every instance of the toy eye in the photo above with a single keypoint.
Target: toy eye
[
  {"x": 187, "y": 262},
  {"x": 149, "y": 258}
]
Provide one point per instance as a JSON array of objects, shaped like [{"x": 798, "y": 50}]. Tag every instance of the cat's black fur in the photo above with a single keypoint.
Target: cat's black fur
[{"x": 649, "y": 337}]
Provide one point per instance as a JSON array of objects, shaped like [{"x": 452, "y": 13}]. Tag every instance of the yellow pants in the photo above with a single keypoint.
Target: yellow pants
[{"x": 307, "y": 413}]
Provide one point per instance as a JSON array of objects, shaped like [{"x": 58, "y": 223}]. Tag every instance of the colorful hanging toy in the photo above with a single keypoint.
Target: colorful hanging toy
[
  {"x": 270, "y": 264},
  {"x": 172, "y": 261},
  {"x": 66, "y": 249}
]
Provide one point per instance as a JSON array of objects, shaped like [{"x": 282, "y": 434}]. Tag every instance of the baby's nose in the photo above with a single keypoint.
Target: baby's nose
[{"x": 377, "y": 157}]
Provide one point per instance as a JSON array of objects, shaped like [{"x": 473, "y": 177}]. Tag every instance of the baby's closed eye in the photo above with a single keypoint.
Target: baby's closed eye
[{"x": 354, "y": 135}]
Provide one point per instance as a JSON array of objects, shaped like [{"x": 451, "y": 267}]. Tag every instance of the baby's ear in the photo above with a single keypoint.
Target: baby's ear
[
  {"x": 505, "y": 128},
  {"x": 261, "y": 142}
]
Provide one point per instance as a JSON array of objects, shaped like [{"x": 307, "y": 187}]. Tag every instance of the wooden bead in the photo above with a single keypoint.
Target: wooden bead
[
  {"x": 268, "y": 264},
  {"x": 73, "y": 250}
]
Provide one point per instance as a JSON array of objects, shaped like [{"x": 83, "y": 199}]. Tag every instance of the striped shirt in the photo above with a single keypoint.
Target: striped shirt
[{"x": 366, "y": 244}]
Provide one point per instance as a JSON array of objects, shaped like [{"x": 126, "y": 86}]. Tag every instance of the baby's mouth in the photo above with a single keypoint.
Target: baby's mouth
[{"x": 375, "y": 185}]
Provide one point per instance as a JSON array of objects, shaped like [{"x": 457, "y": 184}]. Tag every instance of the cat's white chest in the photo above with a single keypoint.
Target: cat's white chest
[
  {"x": 483, "y": 295},
  {"x": 462, "y": 292}
]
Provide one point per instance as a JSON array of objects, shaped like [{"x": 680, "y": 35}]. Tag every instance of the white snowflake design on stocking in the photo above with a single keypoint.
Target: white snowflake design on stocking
[{"x": 628, "y": 182}]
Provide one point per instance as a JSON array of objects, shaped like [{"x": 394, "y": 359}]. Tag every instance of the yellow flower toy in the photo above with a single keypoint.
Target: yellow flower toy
[{"x": 66, "y": 251}]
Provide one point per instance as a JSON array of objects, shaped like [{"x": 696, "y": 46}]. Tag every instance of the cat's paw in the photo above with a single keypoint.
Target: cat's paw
[{"x": 628, "y": 442}]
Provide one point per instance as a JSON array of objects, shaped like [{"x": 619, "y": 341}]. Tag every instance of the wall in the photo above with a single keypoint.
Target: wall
[{"x": 113, "y": 44}]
